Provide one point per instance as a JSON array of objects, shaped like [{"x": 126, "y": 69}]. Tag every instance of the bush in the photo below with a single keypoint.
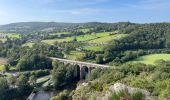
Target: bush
[
  {"x": 40, "y": 73},
  {"x": 122, "y": 95},
  {"x": 64, "y": 95}
]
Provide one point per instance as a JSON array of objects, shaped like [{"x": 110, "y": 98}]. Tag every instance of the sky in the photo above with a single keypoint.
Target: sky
[{"x": 76, "y": 11}]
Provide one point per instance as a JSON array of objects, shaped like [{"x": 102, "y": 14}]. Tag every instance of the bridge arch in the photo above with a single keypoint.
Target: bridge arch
[
  {"x": 84, "y": 72},
  {"x": 77, "y": 72}
]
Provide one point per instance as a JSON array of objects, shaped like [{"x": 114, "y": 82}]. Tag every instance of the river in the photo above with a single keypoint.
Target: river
[{"x": 43, "y": 95}]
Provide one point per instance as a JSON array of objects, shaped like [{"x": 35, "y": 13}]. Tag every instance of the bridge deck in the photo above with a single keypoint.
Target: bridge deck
[{"x": 79, "y": 62}]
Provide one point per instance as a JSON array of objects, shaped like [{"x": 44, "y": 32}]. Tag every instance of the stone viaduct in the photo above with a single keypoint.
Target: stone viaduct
[{"x": 83, "y": 68}]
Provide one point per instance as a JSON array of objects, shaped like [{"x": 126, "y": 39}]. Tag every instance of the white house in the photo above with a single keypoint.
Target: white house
[{"x": 2, "y": 35}]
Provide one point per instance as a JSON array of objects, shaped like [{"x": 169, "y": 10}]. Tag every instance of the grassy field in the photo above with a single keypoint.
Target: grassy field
[
  {"x": 107, "y": 39},
  {"x": 79, "y": 38},
  {"x": 60, "y": 33},
  {"x": 13, "y": 35},
  {"x": 28, "y": 44},
  {"x": 85, "y": 30},
  {"x": 43, "y": 79},
  {"x": 1, "y": 67},
  {"x": 75, "y": 55},
  {"x": 150, "y": 59},
  {"x": 93, "y": 48},
  {"x": 3, "y": 40}
]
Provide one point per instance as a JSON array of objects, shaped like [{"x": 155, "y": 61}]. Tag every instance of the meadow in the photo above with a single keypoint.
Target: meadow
[
  {"x": 93, "y": 48},
  {"x": 98, "y": 37},
  {"x": 75, "y": 55},
  {"x": 107, "y": 39},
  {"x": 60, "y": 33},
  {"x": 28, "y": 44},
  {"x": 1, "y": 67},
  {"x": 13, "y": 35},
  {"x": 85, "y": 30},
  {"x": 150, "y": 59},
  {"x": 3, "y": 40}
]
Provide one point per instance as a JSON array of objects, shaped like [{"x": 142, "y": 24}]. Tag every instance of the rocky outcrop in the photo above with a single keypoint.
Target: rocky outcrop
[
  {"x": 121, "y": 87},
  {"x": 118, "y": 87}
]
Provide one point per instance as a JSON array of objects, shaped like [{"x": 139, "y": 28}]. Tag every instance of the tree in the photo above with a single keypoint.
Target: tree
[
  {"x": 99, "y": 59},
  {"x": 75, "y": 39},
  {"x": 22, "y": 80},
  {"x": 6, "y": 67},
  {"x": 23, "y": 87},
  {"x": 168, "y": 41},
  {"x": 21, "y": 64},
  {"x": 55, "y": 64},
  {"x": 33, "y": 79},
  {"x": 12, "y": 80},
  {"x": 58, "y": 76},
  {"x": 3, "y": 88}
]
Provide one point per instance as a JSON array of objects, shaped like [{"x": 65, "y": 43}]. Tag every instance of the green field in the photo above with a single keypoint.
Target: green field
[
  {"x": 79, "y": 38},
  {"x": 93, "y": 48},
  {"x": 150, "y": 59},
  {"x": 43, "y": 79},
  {"x": 85, "y": 30},
  {"x": 28, "y": 44},
  {"x": 75, "y": 55},
  {"x": 1, "y": 67},
  {"x": 60, "y": 33},
  {"x": 3, "y": 40},
  {"x": 13, "y": 35},
  {"x": 107, "y": 39}
]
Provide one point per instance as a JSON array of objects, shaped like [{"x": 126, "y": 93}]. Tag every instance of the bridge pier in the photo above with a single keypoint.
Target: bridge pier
[{"x": 81, "y": 72}]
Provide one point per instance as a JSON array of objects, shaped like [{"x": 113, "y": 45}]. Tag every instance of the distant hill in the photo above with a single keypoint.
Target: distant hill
[
  {"x": 47, "y": 27},
  {"x": 31, "y": 27}
]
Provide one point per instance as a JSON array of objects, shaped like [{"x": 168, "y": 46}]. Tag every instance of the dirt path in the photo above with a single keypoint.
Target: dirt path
[{"x": 3, "y": 61}]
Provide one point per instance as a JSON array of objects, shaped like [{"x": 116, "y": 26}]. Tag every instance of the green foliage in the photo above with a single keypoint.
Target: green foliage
[
  {"x": 123, "y": 95},
  {"x": 152, "y": 58},
  {"x": 94, "y": 74},
  {"x": 3, "y": 88},
  {"x": 64, "y": 95},
  {"x": 99, "y": 59},
  {"x": 136, "y": 68},
  {"x": 62, "y": 74}
]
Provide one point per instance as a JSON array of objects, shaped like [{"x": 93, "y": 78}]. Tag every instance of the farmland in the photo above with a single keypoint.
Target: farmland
[
  {"x": 10, "y": 36},
  {"x": 107, "y": 39},
  {"x": 79, "y": 38},
  {"x": 75, "y": 55},
  {"x": 13, "y": 35},
  {"x": 150, "y": 59},
  {"x": 28, "y": 44},
  {"x": 91, "y": 38},
  {"x": 93, "y": 48}
]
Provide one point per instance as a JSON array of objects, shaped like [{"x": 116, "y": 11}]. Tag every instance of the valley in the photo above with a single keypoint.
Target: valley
[{"x": 85, "y": 61}]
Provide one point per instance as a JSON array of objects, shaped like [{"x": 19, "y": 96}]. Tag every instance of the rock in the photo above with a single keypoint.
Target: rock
[
  {"x": 118, "y": 87},
  {"x": 81, "y": 85},
  {"x": 121, "y": 87}
]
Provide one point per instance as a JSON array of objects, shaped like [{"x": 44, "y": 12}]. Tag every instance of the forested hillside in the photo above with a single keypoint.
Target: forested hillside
[{"x": 143, "y": 39}]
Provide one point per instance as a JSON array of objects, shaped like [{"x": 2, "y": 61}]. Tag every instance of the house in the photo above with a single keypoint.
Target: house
[{"x": 2, "y": 35}]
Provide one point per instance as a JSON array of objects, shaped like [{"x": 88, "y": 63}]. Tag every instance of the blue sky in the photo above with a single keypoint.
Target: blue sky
[{"x": 139, "y": 11}]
